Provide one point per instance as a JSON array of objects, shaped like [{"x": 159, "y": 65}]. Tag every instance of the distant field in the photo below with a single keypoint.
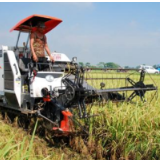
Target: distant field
[{"x": 128, "y": 131}]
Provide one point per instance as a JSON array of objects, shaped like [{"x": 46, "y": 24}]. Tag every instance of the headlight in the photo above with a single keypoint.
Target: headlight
[{"x": 49, "y": 78}]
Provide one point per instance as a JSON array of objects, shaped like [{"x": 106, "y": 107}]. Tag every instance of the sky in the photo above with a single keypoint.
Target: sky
[{"x": 121, "y": 32}]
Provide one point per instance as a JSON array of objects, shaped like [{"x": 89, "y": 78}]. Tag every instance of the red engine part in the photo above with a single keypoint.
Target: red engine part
[
  {"x": 66, "y": 124},
  {"x": 47, "y": 98}
]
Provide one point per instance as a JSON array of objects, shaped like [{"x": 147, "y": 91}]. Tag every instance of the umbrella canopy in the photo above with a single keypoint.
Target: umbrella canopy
[{"x": 30, "y": 23}]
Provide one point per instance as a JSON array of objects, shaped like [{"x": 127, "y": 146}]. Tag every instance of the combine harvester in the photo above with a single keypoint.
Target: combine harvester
[{"x": 57, "y": 94}]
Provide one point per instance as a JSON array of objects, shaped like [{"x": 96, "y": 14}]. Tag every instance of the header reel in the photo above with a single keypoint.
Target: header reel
[{"x": 82, "y": 88}]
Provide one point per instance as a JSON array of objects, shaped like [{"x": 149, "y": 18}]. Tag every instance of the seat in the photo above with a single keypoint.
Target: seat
[{"x": 23, "y": 65}]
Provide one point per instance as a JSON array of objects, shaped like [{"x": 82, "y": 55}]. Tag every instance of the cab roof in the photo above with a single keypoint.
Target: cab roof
[{"x": 29, "y": 24}]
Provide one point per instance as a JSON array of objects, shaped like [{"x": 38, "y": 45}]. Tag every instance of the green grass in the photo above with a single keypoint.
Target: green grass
[{"x": 17, "y": 144}]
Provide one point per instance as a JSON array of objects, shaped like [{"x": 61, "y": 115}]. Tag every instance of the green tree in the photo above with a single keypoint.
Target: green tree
[
  {"x": 127, "y": 67},
  {"x": 112, "y": 65},
  {"x": 101, "y": 64},
  {"x": 88, "y": 64},
  {"x": 81, "y": 64}
]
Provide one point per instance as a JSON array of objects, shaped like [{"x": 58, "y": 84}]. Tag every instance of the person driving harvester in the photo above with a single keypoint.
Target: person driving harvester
[{"x": 38, "y": 45}]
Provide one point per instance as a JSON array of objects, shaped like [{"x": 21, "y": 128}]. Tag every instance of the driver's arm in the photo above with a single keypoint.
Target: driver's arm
[{"x": 31, "y": 46}]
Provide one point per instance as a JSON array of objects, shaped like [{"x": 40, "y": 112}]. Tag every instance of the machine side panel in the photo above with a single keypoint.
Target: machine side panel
[
  {"x": 8, "y": 75},
  {"x": 12, "y": 79}
]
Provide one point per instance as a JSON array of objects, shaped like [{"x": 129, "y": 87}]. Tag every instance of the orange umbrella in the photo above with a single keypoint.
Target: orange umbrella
[{"x": 30, "y": 23}]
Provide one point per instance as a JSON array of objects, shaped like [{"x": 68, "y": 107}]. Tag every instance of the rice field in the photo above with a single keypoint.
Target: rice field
[
  {"x": 129, "y": 131},
  {"x": 121, "y": 131}
]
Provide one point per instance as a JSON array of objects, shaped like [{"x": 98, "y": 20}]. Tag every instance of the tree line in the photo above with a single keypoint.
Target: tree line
[
  {"x": 100, "y": 65},
  {"x": 103, "y": 65},
  {"x": 110, "y": 65}
]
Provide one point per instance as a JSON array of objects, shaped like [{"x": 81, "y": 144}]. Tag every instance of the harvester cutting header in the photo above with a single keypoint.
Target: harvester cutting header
[{"x": 56, "y": 92}]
